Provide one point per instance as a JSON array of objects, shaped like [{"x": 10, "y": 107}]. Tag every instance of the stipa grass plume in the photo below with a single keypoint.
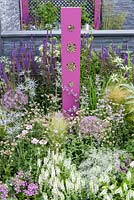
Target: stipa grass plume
[
  {"x": 129, "y": 101},
  {"x": 57, "y": 128},
  {"x": 116, "y": 94}
]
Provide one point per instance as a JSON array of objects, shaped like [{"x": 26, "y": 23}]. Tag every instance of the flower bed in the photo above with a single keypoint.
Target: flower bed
[{"x": 46, "y": 155}]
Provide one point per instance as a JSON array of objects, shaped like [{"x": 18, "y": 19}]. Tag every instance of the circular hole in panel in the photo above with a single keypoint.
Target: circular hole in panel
[
  {"x": 70, "y": 28},
  {"x": 71, "y": 66},
  {"x": 71, "y": 47},
  {"x": 71, "y": 84}
]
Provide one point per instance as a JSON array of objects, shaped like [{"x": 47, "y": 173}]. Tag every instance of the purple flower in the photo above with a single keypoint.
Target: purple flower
[
  {"x": 22, "y": 184},
  {"x": 91, "y": 125},
  {"x": 13, "y": 53},
  {"x": 14, "y": 99},
  {"x": 19, "y": 184},
  {"x": 32, "y": 189},
  {"x": 127, "y": 161},
  {"x": 3, "y": 192}
]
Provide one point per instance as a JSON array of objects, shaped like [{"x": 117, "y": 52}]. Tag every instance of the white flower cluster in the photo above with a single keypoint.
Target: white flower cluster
[{"x": 59, "y": 176}]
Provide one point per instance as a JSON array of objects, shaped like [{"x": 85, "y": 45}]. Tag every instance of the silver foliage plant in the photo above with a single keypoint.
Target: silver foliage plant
[
  {"x": 29, "y": 87},
  {"x": 100, "y": 173},
  {"x": 100, "y": 162}
]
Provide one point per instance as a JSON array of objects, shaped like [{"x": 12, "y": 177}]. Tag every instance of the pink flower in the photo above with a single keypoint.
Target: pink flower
[
  {"x": 43, "y": 142},
  {"x": 32, "y": 189},
  {"x": 34, "y": 141},
  {"x": 28, "y": 127},
  {"x": 24, "y": 132}
]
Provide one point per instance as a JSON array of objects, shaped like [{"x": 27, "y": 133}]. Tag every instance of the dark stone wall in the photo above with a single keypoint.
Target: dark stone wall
[{"x": 35, "y": 38}]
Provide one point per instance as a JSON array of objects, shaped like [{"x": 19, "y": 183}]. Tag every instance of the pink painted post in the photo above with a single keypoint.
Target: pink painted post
[
  {"x": 70, "y": 51},
  {"x": 97, "y": 14},
  {"x": 24, "y": 10}
]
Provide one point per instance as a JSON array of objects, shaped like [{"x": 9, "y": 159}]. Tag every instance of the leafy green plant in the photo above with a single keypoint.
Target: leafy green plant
[
  {"x": 47, "y": 15},
  {"x": 2, "y": 132},
  {"x": 77, "y": 148},
  {"x": 85, "y": 18},
  {"x": 129, "y": 146}
]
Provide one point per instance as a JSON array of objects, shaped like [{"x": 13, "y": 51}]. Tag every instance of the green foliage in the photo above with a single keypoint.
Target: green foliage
[
  {"x": 85, "y": 18},
  {"x": 113, "y": 22},
  {"x": 47, "y": 15},
  {"x": 2, "y": 132},
  {"x": 129, "y": 146},
  {"x": 77, "y": 148},
  {"x": 88, "y": 73}
]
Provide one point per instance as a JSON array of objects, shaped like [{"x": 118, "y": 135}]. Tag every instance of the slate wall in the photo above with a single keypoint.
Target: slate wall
[{"x": 101, "y": 37}]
